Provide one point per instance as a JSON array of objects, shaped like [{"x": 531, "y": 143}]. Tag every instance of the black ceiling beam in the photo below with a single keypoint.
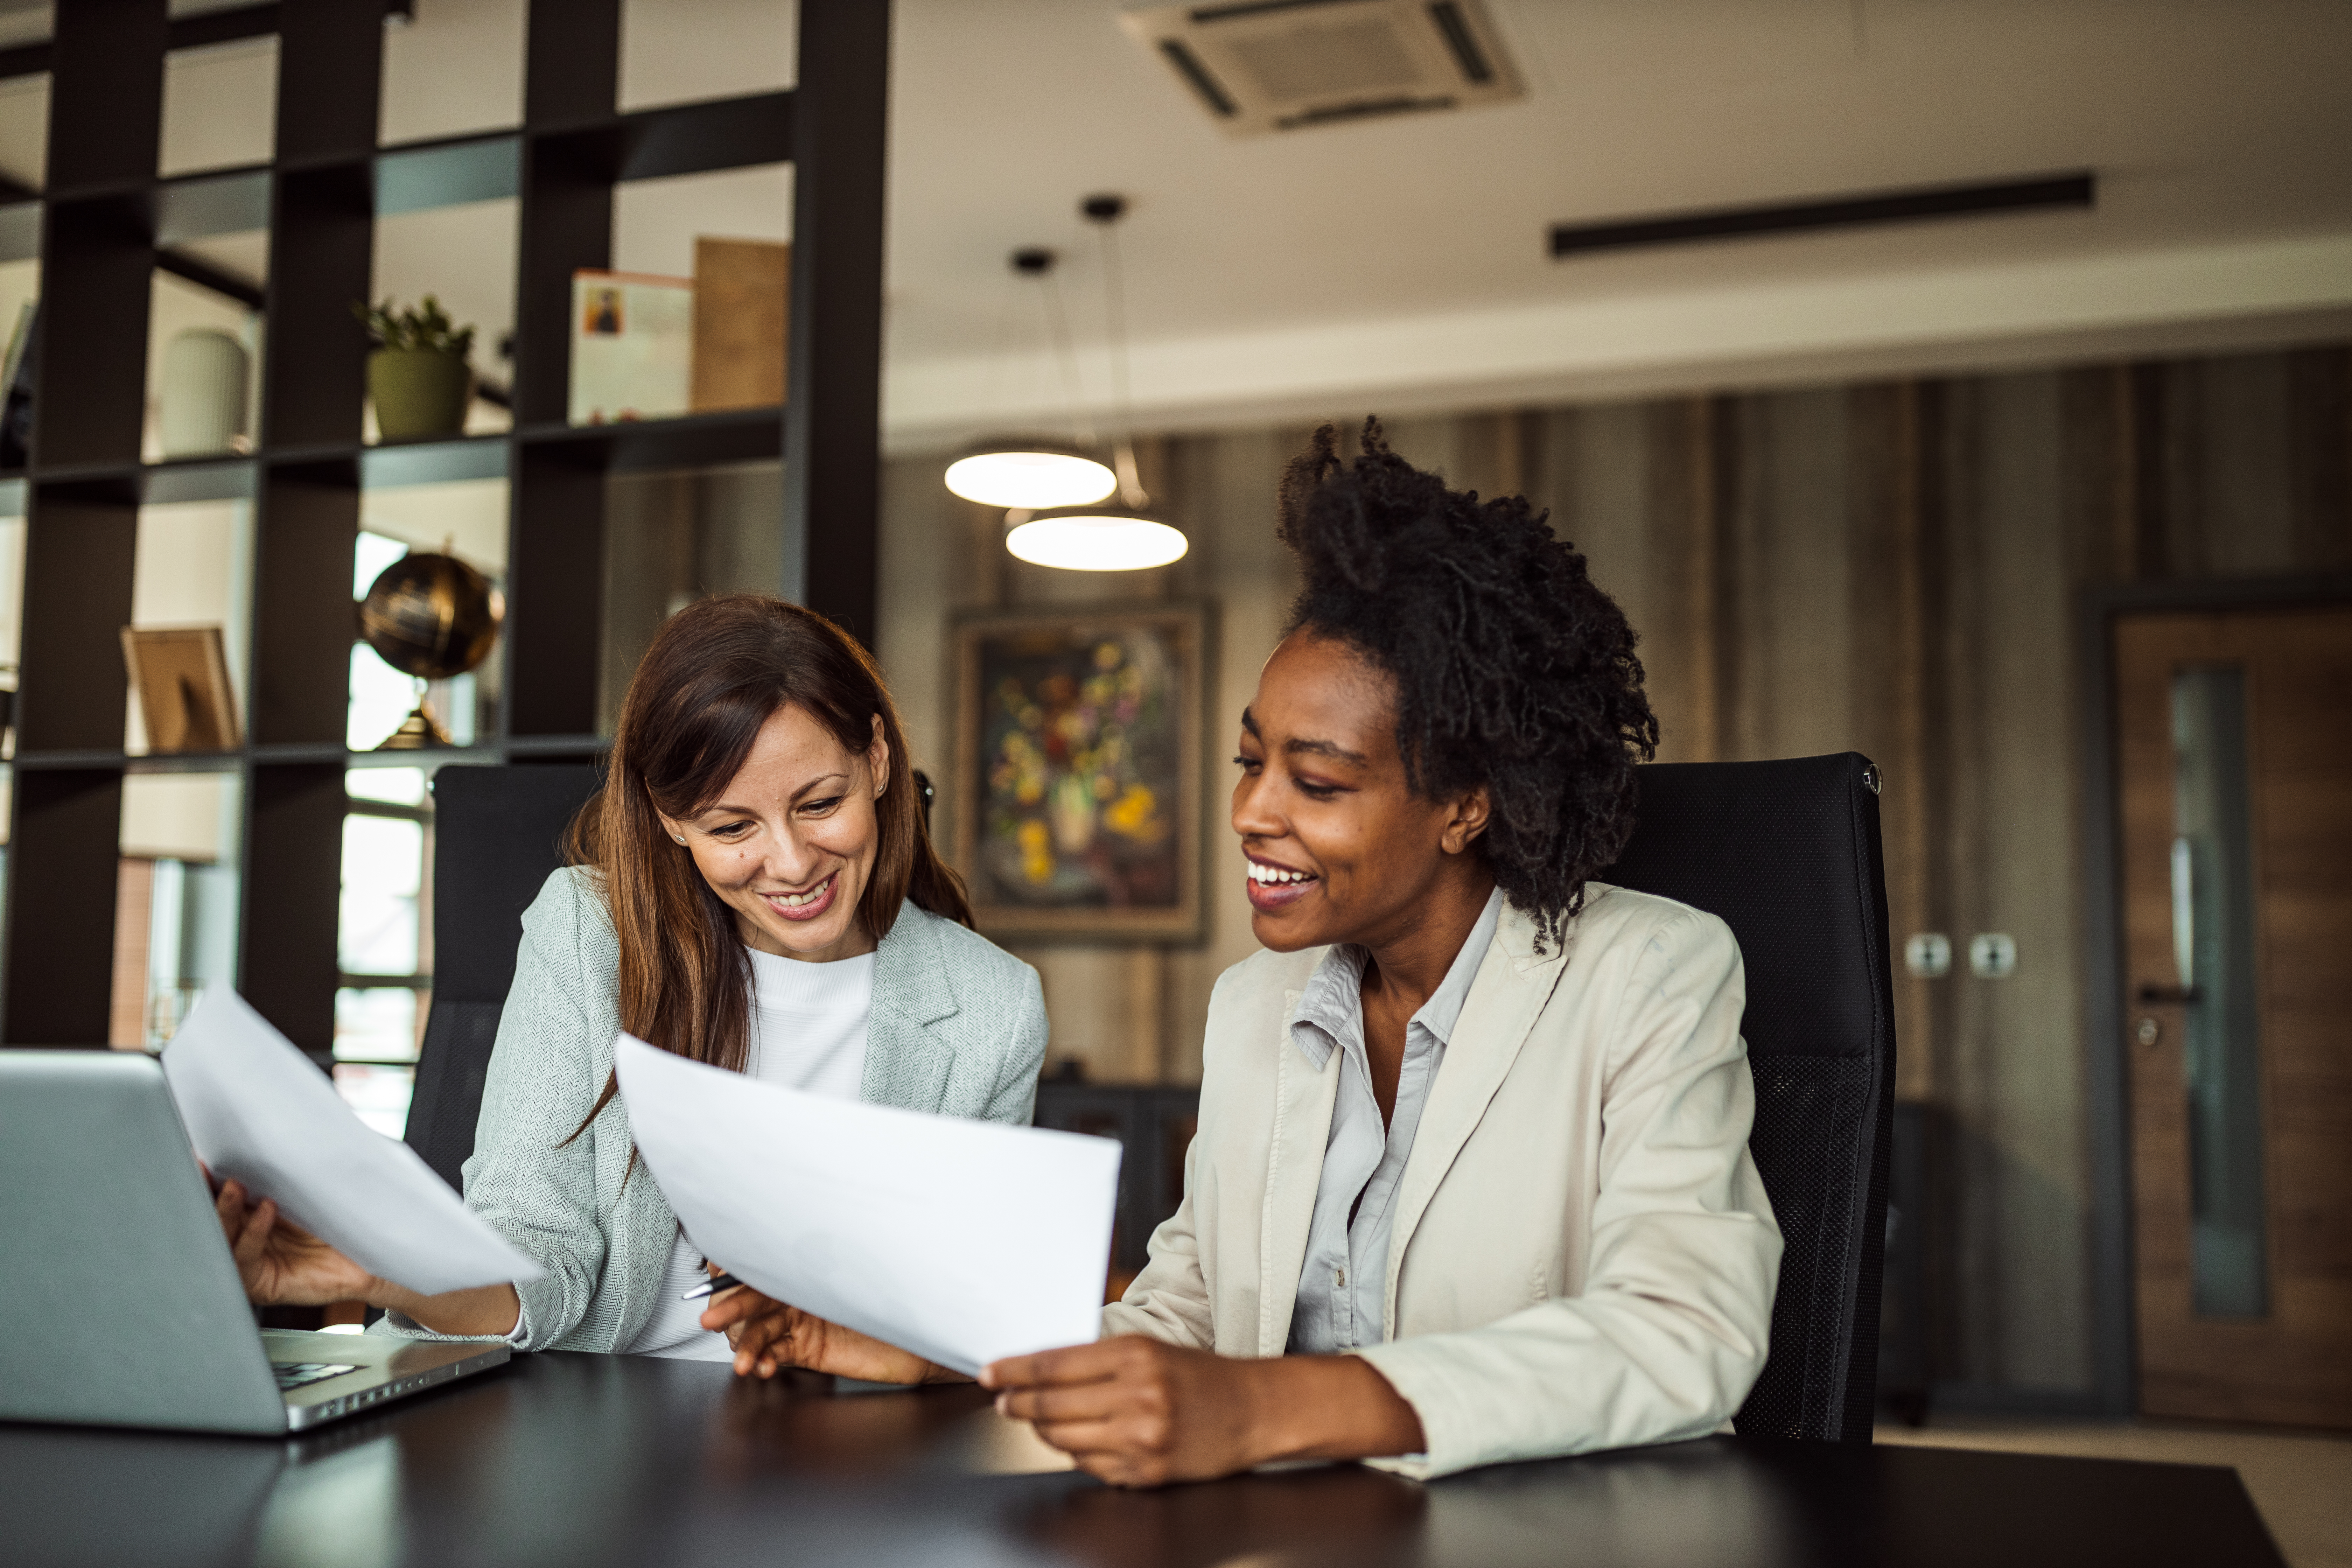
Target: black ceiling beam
[
  {"x": 2077, "y": 190},
  {"x": 196, "y": 32},
  {"x": 696, "y": 138},
  {"x": 210, "y": 27},
  {"x": 204, "y": 275}
]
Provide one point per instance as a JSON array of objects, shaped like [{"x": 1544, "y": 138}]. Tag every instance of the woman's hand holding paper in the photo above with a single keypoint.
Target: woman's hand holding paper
[
  {"x": 1139, "y": 1412},
  {"x": 282, "y": 1265},
  {"x": 768, "y": 1336}
]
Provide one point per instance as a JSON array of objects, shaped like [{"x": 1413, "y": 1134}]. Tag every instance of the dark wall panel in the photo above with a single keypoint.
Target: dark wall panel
[
  {"x": 303, "y": 623},
  {"x": 92, "y": 381},
  {"x": 330, "y": 66},
  {"x": 321, "y": 260},
  {"x": 833, "y": 397},
  {"x": 106, "y": 92},
  {"x": 567, "y": 225},
  {"x": 78, "y": 552},
  {"x": 572, "y": 73},
  {"x": 62, "y": 859},
  {"x": 557, "y": 573},
  {"x": 293, "y": 882}
]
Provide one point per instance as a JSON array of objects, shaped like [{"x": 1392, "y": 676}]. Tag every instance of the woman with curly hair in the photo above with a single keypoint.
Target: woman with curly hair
[{"x": 1472, "y": 1179}]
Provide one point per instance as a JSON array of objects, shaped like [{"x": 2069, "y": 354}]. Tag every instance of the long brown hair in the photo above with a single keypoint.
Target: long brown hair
[{"x": 715, "y": 673}]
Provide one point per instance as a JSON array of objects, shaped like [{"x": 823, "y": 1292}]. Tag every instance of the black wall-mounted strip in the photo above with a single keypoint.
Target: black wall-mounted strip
[
  {"x": 2074, "y": 190},
  {"x": 1188, "y": 66},
  {"x": 1466, "y": 52},
  {"x": 1251, "y": 8}
]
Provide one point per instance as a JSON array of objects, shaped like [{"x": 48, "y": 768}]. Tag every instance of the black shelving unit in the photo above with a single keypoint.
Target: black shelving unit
[{"x": 107, "y": 222}]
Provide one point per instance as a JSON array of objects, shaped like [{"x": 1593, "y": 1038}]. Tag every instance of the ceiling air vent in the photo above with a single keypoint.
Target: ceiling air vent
[{"x": 1283, "y": 65}]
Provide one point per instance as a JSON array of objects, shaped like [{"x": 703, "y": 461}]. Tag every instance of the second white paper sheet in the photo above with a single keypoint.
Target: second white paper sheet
[
  {"x": 961, "y": 1241},
  {"x": 258, "y": 1112}
]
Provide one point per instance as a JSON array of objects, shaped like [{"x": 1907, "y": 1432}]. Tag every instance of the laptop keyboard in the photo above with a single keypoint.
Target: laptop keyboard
[{"x": 293, "y": 1374}]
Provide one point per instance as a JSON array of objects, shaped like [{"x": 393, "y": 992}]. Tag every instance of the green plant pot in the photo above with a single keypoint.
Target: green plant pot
[{"x": 418, "y": 392}]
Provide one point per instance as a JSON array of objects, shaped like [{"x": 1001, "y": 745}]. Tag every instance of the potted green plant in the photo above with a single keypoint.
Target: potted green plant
[{"x": 418, "y": 374}]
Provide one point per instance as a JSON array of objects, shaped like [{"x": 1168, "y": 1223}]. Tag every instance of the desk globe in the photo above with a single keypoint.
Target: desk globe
[{"x": 431, "y": 616}]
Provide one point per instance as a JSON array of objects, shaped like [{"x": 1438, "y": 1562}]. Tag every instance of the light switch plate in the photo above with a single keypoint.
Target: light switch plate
[
  {"x": 1992, "y": 955},
  {"x": 1927, "y": 955}
]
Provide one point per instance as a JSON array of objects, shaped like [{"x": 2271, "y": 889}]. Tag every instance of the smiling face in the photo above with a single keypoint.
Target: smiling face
[
  {"x": 1340, "y": 847},
  {"x": 788, "y": 845}
]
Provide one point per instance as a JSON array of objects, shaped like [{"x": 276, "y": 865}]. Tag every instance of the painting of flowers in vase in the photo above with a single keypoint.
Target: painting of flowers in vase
[{"x": 1077, "y": 802}]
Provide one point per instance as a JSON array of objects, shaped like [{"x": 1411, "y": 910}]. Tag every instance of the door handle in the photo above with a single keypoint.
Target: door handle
[{"x": 2167, "y": 995}]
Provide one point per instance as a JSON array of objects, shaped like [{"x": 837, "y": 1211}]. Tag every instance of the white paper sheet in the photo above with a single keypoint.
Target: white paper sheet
[
  {"x": 961, "y": 1241},
  {"x": 258, "y": 1112}
]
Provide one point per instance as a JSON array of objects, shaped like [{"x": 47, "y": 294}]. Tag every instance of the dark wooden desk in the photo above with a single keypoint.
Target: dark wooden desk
[{"x": 584, "y": 1461}]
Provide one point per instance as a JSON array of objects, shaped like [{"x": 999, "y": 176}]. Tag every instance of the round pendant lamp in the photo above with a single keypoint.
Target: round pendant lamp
[
  {"x": 1020, "y": 472},
  {"x": 1094, "y": 539}
]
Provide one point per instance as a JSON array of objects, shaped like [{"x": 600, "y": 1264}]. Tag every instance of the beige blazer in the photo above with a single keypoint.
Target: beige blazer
[{"x": 1583, "y": 1256}]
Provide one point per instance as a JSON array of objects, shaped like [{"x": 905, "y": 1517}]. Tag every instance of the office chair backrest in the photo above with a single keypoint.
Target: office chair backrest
[
  {"x": 497, "y": 834},
  {"x": 1787, "y": 853}
]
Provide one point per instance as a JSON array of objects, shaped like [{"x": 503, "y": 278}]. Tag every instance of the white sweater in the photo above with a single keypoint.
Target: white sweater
[{"x": 808, "y": 1031}]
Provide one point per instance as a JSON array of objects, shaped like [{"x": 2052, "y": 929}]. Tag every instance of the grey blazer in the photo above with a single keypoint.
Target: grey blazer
[{"x": 958, "y": 1027}]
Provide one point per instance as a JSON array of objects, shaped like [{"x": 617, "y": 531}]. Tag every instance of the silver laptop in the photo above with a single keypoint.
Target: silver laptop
[{"x": 120, "y": 1305}]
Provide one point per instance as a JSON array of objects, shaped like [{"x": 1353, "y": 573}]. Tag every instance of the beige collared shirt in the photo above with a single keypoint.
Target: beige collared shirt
[{"x": 1340, "y": 1285}]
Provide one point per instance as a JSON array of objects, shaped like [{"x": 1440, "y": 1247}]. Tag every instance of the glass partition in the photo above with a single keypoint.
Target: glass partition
[
  {"x": 2214, "y": 944},
  {"x": 192, "y": 574},
  {"x": 384, "y": 942},
  {"x": 176, "y": 900}
]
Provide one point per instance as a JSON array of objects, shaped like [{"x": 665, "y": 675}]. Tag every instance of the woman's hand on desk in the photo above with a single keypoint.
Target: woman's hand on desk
[
  {"x": 1136, "y": 1412},
  {"x": 769, "y": 1336},
  {"x": 282, "y": 1265}
]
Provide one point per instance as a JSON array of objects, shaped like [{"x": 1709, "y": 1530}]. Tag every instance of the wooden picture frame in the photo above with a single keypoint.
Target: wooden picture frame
[
  {"x": 180, "y": 674},
  {"x": 1078, "y": 781}
]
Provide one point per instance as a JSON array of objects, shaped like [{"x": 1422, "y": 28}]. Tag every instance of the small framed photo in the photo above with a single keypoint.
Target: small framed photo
[
  {"x": 180, "y": 674},
  {"x": 1078, "y": 769}
]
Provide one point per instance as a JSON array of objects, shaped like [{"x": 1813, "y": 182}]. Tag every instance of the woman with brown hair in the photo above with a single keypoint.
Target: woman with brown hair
[{"x": 753, "y": 888}]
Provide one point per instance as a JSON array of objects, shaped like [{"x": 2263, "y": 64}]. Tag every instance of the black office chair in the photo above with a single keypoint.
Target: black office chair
[
  {"x": 496, "y": 833},
  {"x": 1787, "y": 853}
]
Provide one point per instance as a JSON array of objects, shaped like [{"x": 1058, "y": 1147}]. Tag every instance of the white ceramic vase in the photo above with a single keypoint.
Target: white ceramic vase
[{"x": 202, "y": 395}]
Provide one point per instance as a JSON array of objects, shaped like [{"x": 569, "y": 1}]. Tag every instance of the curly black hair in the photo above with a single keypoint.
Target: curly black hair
[{"x": 1513, "y": 670}]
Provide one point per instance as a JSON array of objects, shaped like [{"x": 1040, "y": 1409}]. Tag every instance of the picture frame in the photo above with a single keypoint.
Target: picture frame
[
  {"x": 1078, "y": 769},
  {"x": 180, "y": 674}
]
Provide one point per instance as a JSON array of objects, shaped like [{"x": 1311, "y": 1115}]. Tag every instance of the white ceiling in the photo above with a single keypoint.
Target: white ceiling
[
  {"x": 1404, "y": 260},
  {"x": 1402, "y": 263}
]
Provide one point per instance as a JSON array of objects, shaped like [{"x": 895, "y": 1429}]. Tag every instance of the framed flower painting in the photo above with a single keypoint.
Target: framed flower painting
[{"x": 1078, "y": 769}]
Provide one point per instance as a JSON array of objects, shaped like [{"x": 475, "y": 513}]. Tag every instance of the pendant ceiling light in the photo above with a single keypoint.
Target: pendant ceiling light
[
  {"x": 1059, "y": 510},
  {"x": 1029, "y": 471},
  {"x": 1094, "y": 539},
  {"x": 1017, "y": 472},
  {"x": 1123, "y": 537}
]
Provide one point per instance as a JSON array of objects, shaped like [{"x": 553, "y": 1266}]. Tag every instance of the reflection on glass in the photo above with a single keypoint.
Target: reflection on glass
[
  {"x": 176, "y": 914},
  {"x": 193, "y": 567},
  {"x": 383, "y": 863},
  {"x": 378, "y": 1095},
  {"x": 377, "y": 1023},
  {"x": 397, "y": 786},
  {"x": 2213, "y": 939}
]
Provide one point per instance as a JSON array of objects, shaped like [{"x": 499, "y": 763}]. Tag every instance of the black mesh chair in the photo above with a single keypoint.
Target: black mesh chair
[
  {"x": 496, "y": 833},
  {"x": 1787, "y": 853}
]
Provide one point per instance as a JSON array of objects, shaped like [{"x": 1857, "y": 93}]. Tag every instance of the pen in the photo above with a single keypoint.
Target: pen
[{"x": 711, "y": 1287}]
